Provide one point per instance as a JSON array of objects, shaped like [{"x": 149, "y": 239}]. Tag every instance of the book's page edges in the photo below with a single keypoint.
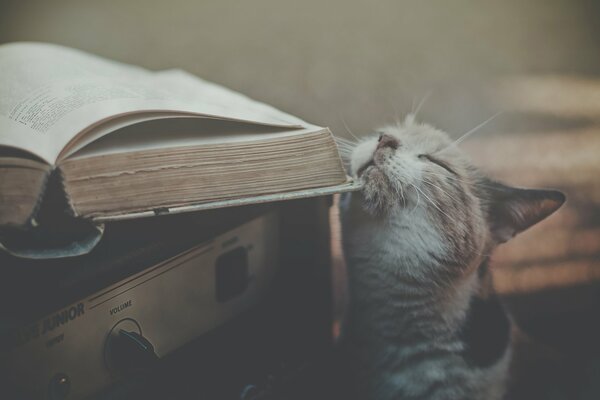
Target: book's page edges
[
  {"x": 119, "y": 121},
  {"x": 181, "y": 133},
  {"x": 30, "y": 220},
  {"x": 78, "y": 236},
  {"x": 349, "y": 186},
  {"x": 69, "y": 206}
]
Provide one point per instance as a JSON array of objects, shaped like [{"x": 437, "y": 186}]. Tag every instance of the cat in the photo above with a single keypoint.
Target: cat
[{"x": 423, "y": 321}]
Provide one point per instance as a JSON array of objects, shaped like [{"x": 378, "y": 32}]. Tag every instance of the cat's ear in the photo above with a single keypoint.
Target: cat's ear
[{"x": 512, "y": 210}]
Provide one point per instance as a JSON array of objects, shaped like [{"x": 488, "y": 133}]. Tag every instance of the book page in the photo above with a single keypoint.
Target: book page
[
  {"x": 49, "y": 94},
  {"x": 114, "y": 125},
  {"x": 160, "y": 133},
  {"x": 41, "y": 84}
]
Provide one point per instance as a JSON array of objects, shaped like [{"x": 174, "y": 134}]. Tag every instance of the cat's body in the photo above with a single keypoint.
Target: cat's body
[
  {"x": 404, "y": 335},
  {"x": 422, "y": 320}
]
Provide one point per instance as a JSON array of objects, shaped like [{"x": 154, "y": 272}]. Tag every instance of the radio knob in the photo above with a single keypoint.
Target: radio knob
[{"x": 129, "y": 352}]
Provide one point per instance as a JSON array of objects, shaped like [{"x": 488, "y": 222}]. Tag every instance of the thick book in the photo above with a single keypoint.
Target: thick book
[{"x": 124, "y": 141}]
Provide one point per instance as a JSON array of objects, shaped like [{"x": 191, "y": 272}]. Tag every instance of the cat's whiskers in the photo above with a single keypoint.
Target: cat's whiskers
[
  {"x": 471, "y": 132},
  {"x": 426, "y": 197},
  {"x": 446, "y": 193},
  {"x": 418, "y": 191},
  {"x": 433, "y": 203},
  {"x": 397, "y": 185},
  {"x": 467, "y": 245},
  {"x": 402, "y": 195},
  {"x": 399, "y": 191},
  {"x": 470, "y": 247},
  {"x": 421, "y": 104},
  {"x": 418, "y": 199},
  {"x": 341, "y": 139},
  {"x": 348, "y": 129},
  {"x": 345, "y": 147},
  {"x": 344, "y": 152}
]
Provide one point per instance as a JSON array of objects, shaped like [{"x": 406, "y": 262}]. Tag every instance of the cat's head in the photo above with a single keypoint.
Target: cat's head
[{"x": 414, "y": 171}]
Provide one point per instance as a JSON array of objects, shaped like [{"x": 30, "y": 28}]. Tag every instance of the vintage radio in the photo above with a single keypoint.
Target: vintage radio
[{"x": 224, "y": 304}]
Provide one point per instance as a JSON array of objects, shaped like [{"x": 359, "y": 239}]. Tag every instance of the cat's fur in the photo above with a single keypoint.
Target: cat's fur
[{"x": 422, "y": 320}]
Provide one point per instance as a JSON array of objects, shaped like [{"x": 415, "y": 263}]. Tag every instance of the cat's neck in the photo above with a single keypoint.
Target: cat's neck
[
  {"x": 394, "y": 307},
  {"x": 397, "y": 285}
]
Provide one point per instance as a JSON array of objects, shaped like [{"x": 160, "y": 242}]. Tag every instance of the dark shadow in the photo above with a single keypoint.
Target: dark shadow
[{"x": 561, "y": 358}]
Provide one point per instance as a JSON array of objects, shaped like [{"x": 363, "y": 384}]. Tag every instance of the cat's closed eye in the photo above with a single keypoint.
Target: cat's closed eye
[{"x": 437, "y": 162}]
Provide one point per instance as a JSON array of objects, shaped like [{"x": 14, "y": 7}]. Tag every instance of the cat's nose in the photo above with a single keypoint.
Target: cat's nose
[{"x": 387, "y": 141}]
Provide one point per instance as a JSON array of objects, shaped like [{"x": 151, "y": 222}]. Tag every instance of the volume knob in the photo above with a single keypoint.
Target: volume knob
[{"x": 127, "y": 351}]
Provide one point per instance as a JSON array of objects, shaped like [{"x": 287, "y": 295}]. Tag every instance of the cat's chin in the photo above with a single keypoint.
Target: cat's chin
[{"x": 378, "y": 194}]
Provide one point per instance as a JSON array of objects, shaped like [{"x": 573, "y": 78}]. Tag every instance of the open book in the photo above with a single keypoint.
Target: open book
[{"x": 127, "y": 141}]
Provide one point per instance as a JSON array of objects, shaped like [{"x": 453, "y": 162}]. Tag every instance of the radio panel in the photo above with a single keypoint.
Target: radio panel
[{"x": 89, "y": 344}]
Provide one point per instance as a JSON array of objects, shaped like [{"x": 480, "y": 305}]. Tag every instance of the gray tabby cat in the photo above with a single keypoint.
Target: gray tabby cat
[{"x": 422, "y": 320}]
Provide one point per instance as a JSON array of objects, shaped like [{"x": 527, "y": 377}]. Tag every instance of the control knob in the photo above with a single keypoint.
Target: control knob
[{"x": 127, "y": 351}]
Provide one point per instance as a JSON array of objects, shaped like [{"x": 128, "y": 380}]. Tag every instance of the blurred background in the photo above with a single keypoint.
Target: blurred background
[{"x": 355, "y": 65}]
